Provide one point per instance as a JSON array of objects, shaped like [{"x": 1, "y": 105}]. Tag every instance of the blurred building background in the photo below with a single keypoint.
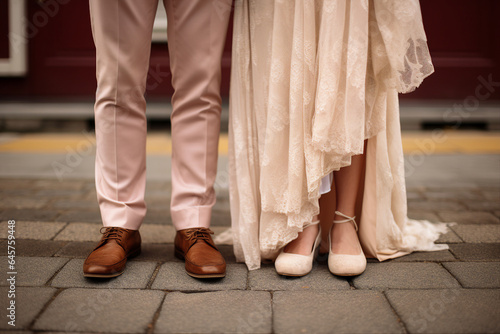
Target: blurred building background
[{"x": 49, "y": 79}]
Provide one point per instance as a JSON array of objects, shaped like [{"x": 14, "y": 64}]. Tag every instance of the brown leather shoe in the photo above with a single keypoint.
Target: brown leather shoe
[
  {"x": 196, "y": 247},
  {"x": 108, "y": 259}
]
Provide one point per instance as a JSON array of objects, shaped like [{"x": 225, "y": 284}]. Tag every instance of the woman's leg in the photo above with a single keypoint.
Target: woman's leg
[
  {"x": 305, "y": 241},
  {"x": 327, "y": 207},
  {"x": 342, "y": 198},
  {"x": 344, "y": 236}
]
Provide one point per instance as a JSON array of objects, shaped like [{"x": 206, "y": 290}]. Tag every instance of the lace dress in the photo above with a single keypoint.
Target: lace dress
[{"x": 311, "y": 80}]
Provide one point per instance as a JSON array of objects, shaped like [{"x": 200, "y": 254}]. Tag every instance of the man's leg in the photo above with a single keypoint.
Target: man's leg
[
  {"x": 122, "y": 36},
  {"x": 196, "y": 37}
]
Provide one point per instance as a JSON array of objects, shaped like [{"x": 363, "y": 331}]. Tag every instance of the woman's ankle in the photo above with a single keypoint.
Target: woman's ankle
[
  {"x": 347, "y": 212},
  {"x": 304, "y": 242}
]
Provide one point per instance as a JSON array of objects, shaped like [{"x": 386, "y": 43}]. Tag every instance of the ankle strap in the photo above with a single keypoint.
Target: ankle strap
[{"x": 349, "y": 219}]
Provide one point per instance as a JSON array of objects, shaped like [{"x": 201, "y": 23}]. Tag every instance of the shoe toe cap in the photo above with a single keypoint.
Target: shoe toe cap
[
  {"x": 346, "y": 265},
  {"x": 289, "y": 264},
  {"x": 95, "y": 269},
  {"x": 102, "y": 269}
]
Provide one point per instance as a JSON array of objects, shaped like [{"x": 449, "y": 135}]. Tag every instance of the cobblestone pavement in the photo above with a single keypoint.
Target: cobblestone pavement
[{"x": 57, "y": 225}]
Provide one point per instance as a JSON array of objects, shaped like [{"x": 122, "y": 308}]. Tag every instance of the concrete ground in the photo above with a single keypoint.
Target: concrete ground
[{"x": 46, "y": 187}]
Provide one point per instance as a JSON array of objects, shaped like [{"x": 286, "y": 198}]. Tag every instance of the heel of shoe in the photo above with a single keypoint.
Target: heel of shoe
[
  {"x": 289, "y": 264},
  {"x": 179, "y": 254},
  {"x": 135, "y": 253}
]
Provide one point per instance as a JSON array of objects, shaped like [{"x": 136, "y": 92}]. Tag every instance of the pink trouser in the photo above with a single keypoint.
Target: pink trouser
[{"x": 122, "y": 35}]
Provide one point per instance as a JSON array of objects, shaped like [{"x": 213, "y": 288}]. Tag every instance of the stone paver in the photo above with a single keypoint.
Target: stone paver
[
  {"x": 76, "y": 204},
  {"x": 398, "y": 275},
  {"x": 27, "y": 247},
  {"x": 8, "y": 183},
  {"x": 478, "y": 233},
  {"x": 173, "y": 276},
  {"x": 156, "y": 233},
  {"x": 157, "y": 253},
  {"x": 482, "y": 205},
  {"x": 493, "y": 195},
  {"x": 59, "y": 185},
  {"x": 79, "y": 216},
  {"x": 423, "y": 215},
  {"x": 32, "y": 230},
  {"x": 468, "y": 217},
  {"x": 320, "y": 278},
  {"x": 449, "y": 237},
  {"x": 449, "y": 291},
  {"x": 42, "y": 215},
  {"x": 448, "y": 311},
  {"x": 476, "y": 274},
  {"x": 413, "y": 194},
  {"x": 31, "y": 271},
  {"x": 216, "y": 312},
  {"x": 220, "y": 219},
  {"x": 333, "y": 312},
  {"x": 218, "y": 230},
  {"x": 80, "y": 232},
  {"x": 434, "y": 205},
  {"x": 469, "y": 194},
  {"x": 228, "y": 252},
  {"x": 61, "y": 193},
  {"x": 29, "y": 301},
  {"x": 76, "y": 248},
  {"x": 4, "y": 193},
  {"x": 438, "y": 256},
  {"x": 136, "y": 276},
  {"x": 22, "y": 203},
  {"x": 476, "y": 252},
  {"x": 151, "y": 233},
  {"x": 101, "y": 310},
  {"x": 156, "y": 215}
]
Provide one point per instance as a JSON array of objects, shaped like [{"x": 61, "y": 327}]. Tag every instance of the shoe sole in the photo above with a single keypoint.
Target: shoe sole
[
  {"x": 131, "y": 255},
  {"x": 103, "y": 276},
  {"x": 292, "y": 275},
  {"x": 347, "y": 274},
  {"x": 178, "y": 254},
  {"x": 206, "y": 276}
]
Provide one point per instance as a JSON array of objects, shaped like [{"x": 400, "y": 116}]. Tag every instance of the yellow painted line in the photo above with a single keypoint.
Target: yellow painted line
[
  {"x": 157, "y": 144},
  {"x": 431, "y": 142},
  {"x": 48, "y": 143},
  {"x": 451, "y": 142}
]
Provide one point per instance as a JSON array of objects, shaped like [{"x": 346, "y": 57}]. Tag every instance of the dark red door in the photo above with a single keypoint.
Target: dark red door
[
  {"x": 464, "y": 38},
  {"x": 62, "y": 57}
]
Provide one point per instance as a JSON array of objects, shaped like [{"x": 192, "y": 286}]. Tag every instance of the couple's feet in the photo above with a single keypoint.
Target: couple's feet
[
  {"x": 203, "y": 260},
  {"x": 193, "y": 245},
  {"x": 345, "y": 255}
]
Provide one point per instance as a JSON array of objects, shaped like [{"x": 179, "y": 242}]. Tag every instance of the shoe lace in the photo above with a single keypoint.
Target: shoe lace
[
  {"x": 201, "y": 233},
  {"x": 112, "y": 233}
]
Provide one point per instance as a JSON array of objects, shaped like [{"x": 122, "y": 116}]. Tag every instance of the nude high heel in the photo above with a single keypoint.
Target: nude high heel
[
  {"x": 346, "y": 264},
  {"x": 289, "y": 264}
]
